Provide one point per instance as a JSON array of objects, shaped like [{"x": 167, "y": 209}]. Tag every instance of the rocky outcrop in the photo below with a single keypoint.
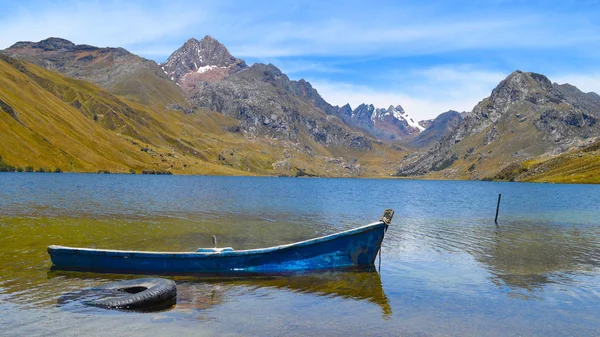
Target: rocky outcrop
[
  {"x": 588, "y": 102},
  {"x": 268, "y": 103},
  {"x": 437, "y": 129}
]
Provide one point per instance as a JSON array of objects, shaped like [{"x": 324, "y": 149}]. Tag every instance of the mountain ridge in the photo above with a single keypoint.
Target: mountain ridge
[
  {"x": 524, "y": 117},
  {"x": 79, "y": 127},
  {"x": 515, "y": 132},
  {"x": 199, "y": 65},
  {"x": 115, "y": 69}
]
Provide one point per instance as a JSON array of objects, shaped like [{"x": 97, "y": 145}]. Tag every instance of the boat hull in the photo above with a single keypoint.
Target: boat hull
[{"x": 357, "y": 247}]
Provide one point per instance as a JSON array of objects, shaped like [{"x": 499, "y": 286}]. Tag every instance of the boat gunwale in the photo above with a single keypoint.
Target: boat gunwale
[{"x": 57, "y": 249}]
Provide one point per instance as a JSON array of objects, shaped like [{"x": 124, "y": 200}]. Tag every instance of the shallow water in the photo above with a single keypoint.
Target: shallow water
[{"x": 447, "y": 269}]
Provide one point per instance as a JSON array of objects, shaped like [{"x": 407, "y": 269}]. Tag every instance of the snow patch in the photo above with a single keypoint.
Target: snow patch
[
  {"x": 399, "y": 112},
  {"x": 204, "y": 69},
  {"x": 412, "y": 123}
]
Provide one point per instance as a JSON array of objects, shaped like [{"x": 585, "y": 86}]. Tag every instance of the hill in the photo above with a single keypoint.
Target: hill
[{"x": 114, "y": 69}]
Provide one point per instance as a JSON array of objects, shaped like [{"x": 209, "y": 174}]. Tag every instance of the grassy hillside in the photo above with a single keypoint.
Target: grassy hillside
[
  {"x": 52, "y": 121},
  {"x": 114, "y": 69},
  {"x": 578, "y": 166}
]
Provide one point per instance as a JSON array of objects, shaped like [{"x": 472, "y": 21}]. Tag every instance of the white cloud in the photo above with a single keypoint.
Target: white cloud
[
  {"x": 283, "y": 29},
  {"x": 423, "y": 93},
  {"x": 295, "y": 66},
  {"x": 432, "y": 32},
  {"x": 115, "y": 24}
]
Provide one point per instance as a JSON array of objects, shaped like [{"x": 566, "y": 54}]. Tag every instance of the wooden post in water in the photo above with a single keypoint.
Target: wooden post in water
[{"x": 497, "y": 208}]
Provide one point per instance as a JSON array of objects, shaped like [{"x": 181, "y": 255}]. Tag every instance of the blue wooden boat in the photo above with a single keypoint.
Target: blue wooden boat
[{"x": 355, "y": 247}]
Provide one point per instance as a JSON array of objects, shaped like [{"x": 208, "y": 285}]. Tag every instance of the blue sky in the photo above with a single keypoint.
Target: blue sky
[{"x": 428, "y": 56}]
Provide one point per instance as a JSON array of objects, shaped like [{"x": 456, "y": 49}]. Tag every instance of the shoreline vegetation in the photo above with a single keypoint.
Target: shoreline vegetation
[
  {"x": 506, "y": 175},
  {"x": 509, "y": 174},
  {"x": 5, "y": 168}
]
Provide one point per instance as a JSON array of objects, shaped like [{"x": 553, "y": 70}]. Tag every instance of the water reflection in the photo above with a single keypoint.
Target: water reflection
[
  {"x": 530, "y": 255},
  {"x": 521, "y": 257},
  {"x": 197, "y": 294},
  {"x": 360, "y": 285}
]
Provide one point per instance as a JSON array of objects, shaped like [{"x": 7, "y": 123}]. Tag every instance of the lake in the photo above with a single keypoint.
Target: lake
[{"x": 446, "y": 268}]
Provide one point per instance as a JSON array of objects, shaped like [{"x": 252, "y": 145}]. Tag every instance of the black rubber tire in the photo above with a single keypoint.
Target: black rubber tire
[{"x": 139, "y": 294}]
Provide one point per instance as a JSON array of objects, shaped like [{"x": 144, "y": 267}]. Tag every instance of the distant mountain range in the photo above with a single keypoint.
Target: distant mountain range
[
  {"x": 217, "y": 114},
  {"x": 389, "y": 124}
]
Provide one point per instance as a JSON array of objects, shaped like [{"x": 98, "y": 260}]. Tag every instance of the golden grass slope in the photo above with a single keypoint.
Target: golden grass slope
[
  {"x": 577, "y": 166},
  {"x": 46, "y": 131}
]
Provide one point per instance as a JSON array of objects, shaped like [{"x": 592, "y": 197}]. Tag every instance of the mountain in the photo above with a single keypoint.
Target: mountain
[
  {"x": 437, "y": 129},
  {"x": 388, "y": 124},
  {"x": 267, "y": 102},
  {"x": 114, "y": 69},
  {"x": 205, "y": 60},
  {"x": 525, "y": 117},
  {"x": 48, "y": 120},
  {"x": 263, "y": 99}
]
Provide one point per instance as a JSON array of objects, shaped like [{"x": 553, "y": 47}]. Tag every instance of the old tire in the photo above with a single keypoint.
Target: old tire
[{"x": 145, "y": 294}]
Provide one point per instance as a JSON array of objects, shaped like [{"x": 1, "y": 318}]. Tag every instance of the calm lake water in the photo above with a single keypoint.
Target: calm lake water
[{"x": 446, "y": 270}]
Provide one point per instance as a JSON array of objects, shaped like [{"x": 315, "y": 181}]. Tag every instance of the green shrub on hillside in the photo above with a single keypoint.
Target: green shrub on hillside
[{"x": 4, "y": 167}]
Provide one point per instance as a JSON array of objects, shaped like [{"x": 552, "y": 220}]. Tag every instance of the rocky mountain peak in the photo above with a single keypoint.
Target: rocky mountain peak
[
  {"x": 49, "y": 44},
  {"x": 437, "y": 129},
  {"x": 391, "y": 124},
  {"x": 398, "y": 108},
  {"x": 517, "y": 88},
  {"x": 54, "y": 43},
  {"x": 204, "y": 60},
  {"x": 345, "y": 110},
  {"x": 521, "y": 86}
]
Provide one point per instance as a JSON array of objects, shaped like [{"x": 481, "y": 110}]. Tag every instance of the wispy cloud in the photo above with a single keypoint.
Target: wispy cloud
[
  {"x": 405, "y": 30},
  {"x": 110, "y": 23},
  {"x": 292, "y": 29}
]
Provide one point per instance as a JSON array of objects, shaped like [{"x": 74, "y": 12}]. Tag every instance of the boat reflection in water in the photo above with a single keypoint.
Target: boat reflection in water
[{"x": 197, "y": 294}]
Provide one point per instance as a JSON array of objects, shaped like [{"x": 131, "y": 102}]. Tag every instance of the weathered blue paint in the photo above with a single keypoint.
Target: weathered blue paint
[{"x": 355, "y": 247}]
